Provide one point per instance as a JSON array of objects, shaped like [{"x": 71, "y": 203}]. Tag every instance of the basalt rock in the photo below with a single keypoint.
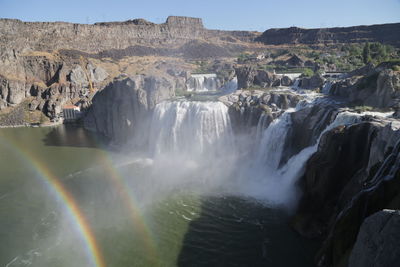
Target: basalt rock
[
  {"x": 314, "y": 82},
  {"x": 378, "y": 242},
  {"x": 247, "y": 107},
  {"x": 124, "y": 104},
  {"x": 345, "y": 181},
  {"x": 306, "y": 126},
  {"x": 384, "y": 33},
  {"x": 245, "y": 76},
  {"x": 379, "y": 88}
]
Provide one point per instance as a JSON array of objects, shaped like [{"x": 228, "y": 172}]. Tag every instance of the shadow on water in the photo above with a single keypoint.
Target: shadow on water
[
  {"x": 74, "y": 136},
  {"x": 235, "y": 232}
]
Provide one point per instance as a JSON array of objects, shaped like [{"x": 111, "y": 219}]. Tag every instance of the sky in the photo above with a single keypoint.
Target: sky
[{"x": 256, "y": 15}]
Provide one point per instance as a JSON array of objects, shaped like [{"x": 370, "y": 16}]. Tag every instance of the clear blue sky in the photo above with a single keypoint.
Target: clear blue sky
[{"x": 216, "y": 14}]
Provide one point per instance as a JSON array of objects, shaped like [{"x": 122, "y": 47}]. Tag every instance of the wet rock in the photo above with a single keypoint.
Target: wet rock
[{"x": 345, "y": 181}]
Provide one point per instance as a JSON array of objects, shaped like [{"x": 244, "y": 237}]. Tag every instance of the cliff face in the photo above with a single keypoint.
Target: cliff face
[
  {"x": 353, "y": 174},
  {"x": 50, "y": 36},
  {"x": 49, "y": 64},
  {"x": 123, "y": 107},
  {"x": 384, "y": 33}
]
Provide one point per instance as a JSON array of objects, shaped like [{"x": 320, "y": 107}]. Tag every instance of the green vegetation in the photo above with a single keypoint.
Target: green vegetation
[
  {"x": 360, "y": 109},
  {"x": 308, "y": 72},
  {"x": 376, "y": 53},
  {"x": 243, "y": 57},
  {"x": 180, "y": 92},
  {"x": 202, "y": 67}
]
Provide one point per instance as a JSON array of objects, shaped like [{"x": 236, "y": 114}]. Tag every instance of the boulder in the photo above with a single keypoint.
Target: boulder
[
  {"x": 378, "y": 242},
  {"x": 97, "y": 74},
  {"x": 286, "y": 81},
  {"x": 78, "y": 77},
  {"x": 314, "y": 82}
]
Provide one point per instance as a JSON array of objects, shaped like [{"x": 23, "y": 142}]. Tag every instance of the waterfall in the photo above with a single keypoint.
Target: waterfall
[
  {"x": 274, "y": 184},
  {"x": 327, "y": 87},
  {"x": 296, "y": 84},
  {"x": 202, "y": 83},
  {"x": 190, "y": 127},
  {"x": 230, "y": 87},
  {"x": 273, "y": 140}
]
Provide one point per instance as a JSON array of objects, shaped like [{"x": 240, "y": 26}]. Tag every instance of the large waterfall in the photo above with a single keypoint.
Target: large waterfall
[
  {"x": 197, "y": 136},
  {"x": 190, "y": 127}
]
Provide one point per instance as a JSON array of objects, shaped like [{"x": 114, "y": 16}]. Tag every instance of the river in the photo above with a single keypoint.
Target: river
[{"x": 68, "y": 200}]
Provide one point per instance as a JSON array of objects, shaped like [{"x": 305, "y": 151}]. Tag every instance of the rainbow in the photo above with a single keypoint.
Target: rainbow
[
  {"x": 76, "y": 214},
  {"x": 62, "y": 194},
  {"x": 131, "y": 203}
]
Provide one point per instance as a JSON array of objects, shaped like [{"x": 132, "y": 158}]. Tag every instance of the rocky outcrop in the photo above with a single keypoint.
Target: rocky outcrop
[
  {"x": 379, "y": 88},
  {"x": 249, "y": 77},
  {"x": 124, "y": 104},
  {"x": 247, "y": 107},
  {"x": 384, "y": 33},
  {"x": 378, "y": 242},
  {"x": 346, "y": 180},
  {"x": 307, "y": 125},
  {"x": 314, "y": 82}
]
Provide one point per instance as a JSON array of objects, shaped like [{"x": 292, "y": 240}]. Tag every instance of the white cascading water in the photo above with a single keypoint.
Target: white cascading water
[
  {"x": 202, "y": 83},
  {"x": 190, "y": 127},
  {"x": 230, "y": 87},
  {"x": 196, "y": 137},
  {"x": 327, "y": 87},
  {"x": 277, "y": 185}
]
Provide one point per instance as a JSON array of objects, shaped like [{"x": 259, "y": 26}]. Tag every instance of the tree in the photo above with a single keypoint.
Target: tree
[{"x": 366, "y": 53}]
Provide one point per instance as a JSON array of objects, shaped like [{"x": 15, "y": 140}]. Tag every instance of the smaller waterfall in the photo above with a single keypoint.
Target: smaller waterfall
[
  {"x": 274, "y": 184},
  {"x": 326, "y": 88},
  {"x": 273, "y": 140},
  {"x": 202, "y": 83},
  {"x": 296, "y": 84},
  {"x": 230, "y": 86}
]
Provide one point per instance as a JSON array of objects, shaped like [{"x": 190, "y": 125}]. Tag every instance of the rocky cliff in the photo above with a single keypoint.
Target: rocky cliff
[
  {"x": 384, "y": 33},
  {"x": 122, "y": 109},
  {"x": 378, "y": 241},
  {"x": 49, "y": 36},
  {"x": 353, "y": 174}
]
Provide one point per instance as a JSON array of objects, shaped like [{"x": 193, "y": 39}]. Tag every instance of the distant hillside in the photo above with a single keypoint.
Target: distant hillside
[{"x": 383, "y": 33}]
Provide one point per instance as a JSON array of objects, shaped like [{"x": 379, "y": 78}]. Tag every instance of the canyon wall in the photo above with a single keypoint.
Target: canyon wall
[
  {"x": 94, "y": 38},
  {"x": 383, "y": 33}
]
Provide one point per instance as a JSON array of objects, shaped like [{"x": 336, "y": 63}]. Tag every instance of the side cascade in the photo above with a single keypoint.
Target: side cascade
[
  {"x": 273, "y": 183},
  {"x": 202, "y": 83}
]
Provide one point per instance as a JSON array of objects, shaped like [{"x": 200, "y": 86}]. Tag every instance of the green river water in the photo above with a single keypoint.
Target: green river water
[{"x": 133, "y": 222}]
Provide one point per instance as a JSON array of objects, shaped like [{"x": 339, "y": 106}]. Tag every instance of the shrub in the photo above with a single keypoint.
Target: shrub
[{"x": 308, "y": 73}]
